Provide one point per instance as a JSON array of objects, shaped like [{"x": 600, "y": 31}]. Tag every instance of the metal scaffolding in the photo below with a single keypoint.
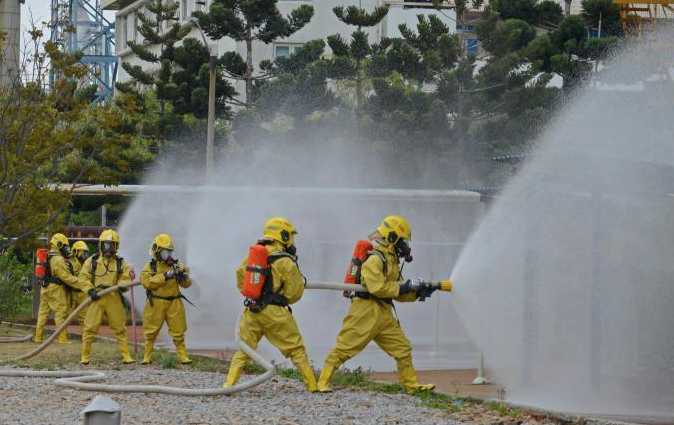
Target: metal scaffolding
[{"x": 79, "y": 25}]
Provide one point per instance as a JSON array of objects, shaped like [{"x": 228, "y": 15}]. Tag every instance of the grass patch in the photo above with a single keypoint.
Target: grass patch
[{"x": 504, "y": 410}]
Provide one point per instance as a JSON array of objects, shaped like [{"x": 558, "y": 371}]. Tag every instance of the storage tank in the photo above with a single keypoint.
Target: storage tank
[{"x": 10, "y": 25}]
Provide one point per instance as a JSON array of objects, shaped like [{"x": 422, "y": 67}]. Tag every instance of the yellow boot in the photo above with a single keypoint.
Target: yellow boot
[
  {"x": 63, "y": 337},
  {"x": 323, "y": 384},
  {"x": 181, "y": 351},
  {"x": 408, "y": 379},
  {"x": 39, "y": 335},
  {"x": 86, "y": 353},
  {"x": 233, "y": 375},
  {"x": 308, "y": 376},
  {"x": 126, "y": 354},
  {"x": 149, "y": 349}
]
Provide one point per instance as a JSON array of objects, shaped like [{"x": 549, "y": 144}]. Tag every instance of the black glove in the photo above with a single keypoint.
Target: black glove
[
  {"x": 410, "y": 285},
  {"x": 168, "y": 274},
  {"x": 425, "y": 291},
  {"x": 93, "y": 294}
]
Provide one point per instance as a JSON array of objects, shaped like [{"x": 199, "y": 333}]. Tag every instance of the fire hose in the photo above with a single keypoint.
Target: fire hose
[{"x": 82, "y": 380}]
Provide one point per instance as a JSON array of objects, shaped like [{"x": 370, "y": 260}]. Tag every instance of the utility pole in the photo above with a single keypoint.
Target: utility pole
[{"x": 210, "y": 129}]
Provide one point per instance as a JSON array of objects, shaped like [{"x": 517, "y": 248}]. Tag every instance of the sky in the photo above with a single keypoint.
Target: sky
[{"x": 41, "y": 11}]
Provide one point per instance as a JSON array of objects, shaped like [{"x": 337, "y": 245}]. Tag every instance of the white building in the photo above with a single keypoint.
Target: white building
[{"x": 323, "y": 24}]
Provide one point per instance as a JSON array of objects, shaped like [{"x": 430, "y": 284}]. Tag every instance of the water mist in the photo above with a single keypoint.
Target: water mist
[
  {"x": 213, "y": 227},
  {"x": 567, "y": 285}
]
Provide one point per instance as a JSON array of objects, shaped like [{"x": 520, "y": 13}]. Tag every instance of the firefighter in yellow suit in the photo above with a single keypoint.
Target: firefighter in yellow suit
[
  {"x": 53, "y": 295},
  {"x": 370, "y": 317},
  {"x": 275, "y": 321},
  {"x": 80, "y": 252},
  {"x": 104, "y": 270},
  {"x": 162, "y": 279}
]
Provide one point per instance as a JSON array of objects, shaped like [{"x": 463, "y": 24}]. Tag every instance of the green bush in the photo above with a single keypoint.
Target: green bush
[{"x": 14, "y": 277}]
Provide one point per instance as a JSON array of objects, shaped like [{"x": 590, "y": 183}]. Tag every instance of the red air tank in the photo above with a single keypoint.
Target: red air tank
[
  {"x": 257, "y": 271},
  {"x": 41, "y": 258}
]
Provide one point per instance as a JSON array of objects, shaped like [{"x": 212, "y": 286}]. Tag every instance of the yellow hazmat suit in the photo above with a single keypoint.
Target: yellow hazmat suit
[
  {"x": 105, "y": 275},
  {"x": 164, "y": 305},
  {"x": 54, "y": 297},
  {"x": 274, "y": 322},
  {"x": 373, "y": 320},
  {"x": 77, "y": 296}
]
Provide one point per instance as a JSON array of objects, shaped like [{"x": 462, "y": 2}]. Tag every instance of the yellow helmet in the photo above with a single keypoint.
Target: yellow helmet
[
  {"x": 281, "y": 230},
  {"x": 58, "y": 241},
  {"x": 160, "y": 243},
  {"x": 79, "y": 247},
  {"x": 393, "y": 228},
  {"x": 108, "y": 236}
]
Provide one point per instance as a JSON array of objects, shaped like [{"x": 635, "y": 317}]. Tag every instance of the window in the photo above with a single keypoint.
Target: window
[
  {"x": 459, "y": 27},
  {"x": 285, "y": 50},
  {"x": 472, "y": 45},
  {"x": 134, "y": 27},
  {"x": 125, "y": 29}
]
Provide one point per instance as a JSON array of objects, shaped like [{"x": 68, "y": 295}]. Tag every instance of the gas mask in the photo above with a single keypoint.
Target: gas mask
[
  {"x": 83, "y": 256},
  {"x": 292, "y": 250},
  {"x": 108, "y": 249},
  {"x": 404, "y": 250},
  {"x": 65, "y": 251},
  {"x": 166, "y": 256}
]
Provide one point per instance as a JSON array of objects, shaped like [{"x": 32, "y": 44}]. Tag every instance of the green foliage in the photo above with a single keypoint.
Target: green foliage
[
  {"x": 250, "y": 21},
  {"x": 549, "y": 13},
  {"x": 55, "y": 136},
  {"x": 351, "y": 58},
  {"x": 353, "y": 15},
  {"x": 608, "y": 11},
  {"x": 516, "y": 9},
  {"x": 165, "y": 359},
  {"x": 503, "y": 37},
  {"x": 180, "y": 86},
  {"x": 15, "y": 275}
]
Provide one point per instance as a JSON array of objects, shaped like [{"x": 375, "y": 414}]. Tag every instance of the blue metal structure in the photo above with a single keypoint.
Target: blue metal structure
[{"x": 79, "y": 25}]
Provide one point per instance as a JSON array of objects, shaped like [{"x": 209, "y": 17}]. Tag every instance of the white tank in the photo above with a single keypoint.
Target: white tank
[{"x": 10, "y": 25}]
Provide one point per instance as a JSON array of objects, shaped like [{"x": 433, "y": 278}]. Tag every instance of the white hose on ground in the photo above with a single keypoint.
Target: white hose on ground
[
  {"x": 22, "y": 338},
  {"x": 82, "y": 380}
]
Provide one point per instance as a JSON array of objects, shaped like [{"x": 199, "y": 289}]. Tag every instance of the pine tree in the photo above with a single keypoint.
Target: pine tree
[
  {"x": 250, "y": 21},
  {"x": 351, "y": 58},
  {"x": 162, "y": 31},
  {"x": 177, "y": 75}
]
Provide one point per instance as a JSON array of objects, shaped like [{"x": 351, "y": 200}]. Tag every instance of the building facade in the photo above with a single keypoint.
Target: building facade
[{"x": 323, "y": 24}]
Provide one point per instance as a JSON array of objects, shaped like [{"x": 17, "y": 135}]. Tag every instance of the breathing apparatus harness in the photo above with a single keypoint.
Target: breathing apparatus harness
[
  {"x": 179, "y": 276},
  {"x": 258, "y": 270},
  {"x": 94, "y": 264},
  {"x": 53, "y": 279}
]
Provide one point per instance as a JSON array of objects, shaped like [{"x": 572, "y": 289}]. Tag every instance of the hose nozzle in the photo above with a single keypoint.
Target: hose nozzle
[{"x": 443, "y": 285}]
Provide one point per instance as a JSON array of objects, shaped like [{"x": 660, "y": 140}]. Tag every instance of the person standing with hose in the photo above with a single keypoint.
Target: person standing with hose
[
  {"x": 162, "y": 279},
  {"x": 77, "y": 296},
  {"x": 271, "y": 281},
  {"x": 371, "y": 316},
  {"x": 60, "y": 278},
  {"x": 103, "y": 270}
]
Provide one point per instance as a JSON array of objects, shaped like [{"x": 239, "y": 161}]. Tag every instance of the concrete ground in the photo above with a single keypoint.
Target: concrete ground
[{"x": 453, "y": 382}]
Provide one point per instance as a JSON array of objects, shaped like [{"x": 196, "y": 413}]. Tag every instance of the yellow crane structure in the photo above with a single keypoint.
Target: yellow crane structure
[{"x": 638, "y": 15}]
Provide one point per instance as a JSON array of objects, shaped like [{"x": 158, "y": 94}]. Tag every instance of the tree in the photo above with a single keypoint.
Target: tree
[
  {"x": 249, "y": 21},
  {"x": 605, "y": 11},
  {"x": 177, "y": 75},
  {"x": 350, "y": 59},
  {"x": 54, "y": 141}
]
